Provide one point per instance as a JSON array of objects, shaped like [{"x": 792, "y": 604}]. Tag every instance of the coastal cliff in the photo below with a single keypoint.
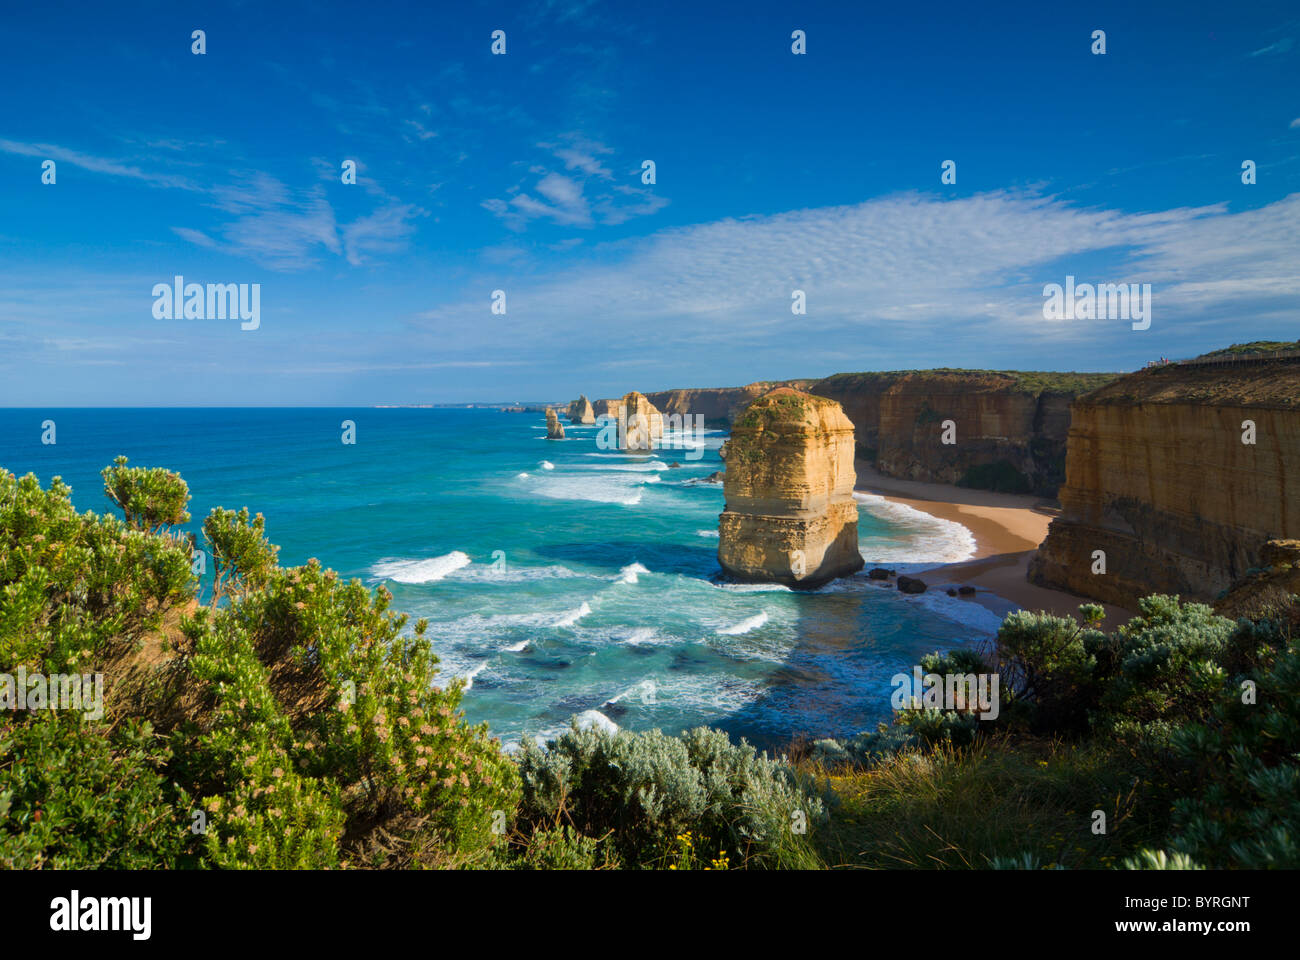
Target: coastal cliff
[
  {"x": 790, "y": 516},
  {"x": 1009, "y": 427},
  {"x": 581, "y": 411},
  {"x": 1159, "y": 479},
  {"x": 718, "y": 405}
]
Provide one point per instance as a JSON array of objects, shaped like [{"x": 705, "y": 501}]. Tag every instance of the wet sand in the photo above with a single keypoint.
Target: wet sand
[{"x": 1007, "y": 528}]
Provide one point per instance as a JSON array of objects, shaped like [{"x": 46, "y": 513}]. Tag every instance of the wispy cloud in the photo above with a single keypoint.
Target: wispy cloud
[
  {"x": 585, "y": 194},
  {"x": 94, "y": 164},
  {"x": 907, "y": 269}
]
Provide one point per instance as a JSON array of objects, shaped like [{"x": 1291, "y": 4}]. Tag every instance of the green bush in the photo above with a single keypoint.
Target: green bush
[
  {"x": 150, "y": 498},
  {"x": 75, "y": 794},
  {"x": 644, "y": 790},
  {"x": 1241, "y": 806}
]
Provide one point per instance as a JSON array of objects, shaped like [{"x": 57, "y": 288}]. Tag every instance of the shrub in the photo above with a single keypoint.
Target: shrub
[
  {"x": 76, "y": 795},
  {"x": 1241, "y": 806},
  {"x": 643, "y": 790},
  {"x": 313, "y": 678},
  {"x": 1048, "y": 668},
  {"x": 242, "y": 558},
  {"x": 150, "y": 498}
]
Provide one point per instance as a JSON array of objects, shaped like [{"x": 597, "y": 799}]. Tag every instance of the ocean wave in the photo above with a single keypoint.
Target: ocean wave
[
  {"x": 515, "y": 573},
  {"x": 521, "y": 476},
  {"x": 547, "y": 465},
  {"x": 925, "y": 539},
  {"x": 594, "y": 718},
  {"x": 469, "y": 675},
  {"x": 420, "y": 571},
  {"x": 597, "y": 488},
  {"x": 652, "y": 466},
  {"x": 641, "y": 635},
  {"x": 707, "y": 533},
  {"x": 746, "y": 625},
  {"x": 629, "y": 573},
  {"x": 519, "y": 647},
  {"x": 573, "y": 616}
]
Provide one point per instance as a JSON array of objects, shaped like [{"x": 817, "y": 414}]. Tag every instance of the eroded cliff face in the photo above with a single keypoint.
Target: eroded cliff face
[
  {"x": 1159, "y": 480},
  {"x": 1008, "y": 430},
  {"x": 608, "y": 408},
  {"x": 790, "y": 515},
  {"x": 581, "y": 411},
  {"x": 718, "y": 405}
]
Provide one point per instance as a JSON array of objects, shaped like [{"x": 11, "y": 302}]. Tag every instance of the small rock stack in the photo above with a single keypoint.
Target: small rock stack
[{"x": 554, "y": 429}]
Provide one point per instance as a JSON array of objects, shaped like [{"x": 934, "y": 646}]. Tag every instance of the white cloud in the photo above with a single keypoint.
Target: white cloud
[
  {"x": 566, "y": 200},
  {"x": 912, "y": 268}
]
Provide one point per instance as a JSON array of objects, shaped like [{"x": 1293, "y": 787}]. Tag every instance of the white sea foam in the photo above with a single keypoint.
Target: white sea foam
[
  {"x": 648, "y": 466},
  {"x": 594, "y": 718},
  {"x": 515, "y": 573},
  {"x": 547, "y": 465},
  {"x": 751, "y": 587},
  {"x": 518, "y": 647},
  {"x": 707, "y": 533},
  {"x": 637, "y": 691},
  {"x": 641, "y": 635},
  {"x": 420, "y": 571},
  {"x": 469, "y": 675},
  {"x": 628, "y": 573},
  {"x": 573, "y": 616},
  {"x": 746, "y": 625},
  {"x": 625, "y": 489},
  {"x": 522, "y": 476},
  {"x": 924, "y": 539}
]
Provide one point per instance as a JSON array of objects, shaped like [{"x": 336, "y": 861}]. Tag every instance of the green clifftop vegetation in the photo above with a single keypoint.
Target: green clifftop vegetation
[{"x": 293, "y": 721}]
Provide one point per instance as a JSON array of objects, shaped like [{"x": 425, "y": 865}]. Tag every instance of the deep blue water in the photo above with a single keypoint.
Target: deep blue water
[{"x": 557, "y": 589}]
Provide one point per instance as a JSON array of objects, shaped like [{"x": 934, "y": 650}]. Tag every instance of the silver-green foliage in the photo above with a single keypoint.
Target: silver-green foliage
[{"x": 639, "y": 791}]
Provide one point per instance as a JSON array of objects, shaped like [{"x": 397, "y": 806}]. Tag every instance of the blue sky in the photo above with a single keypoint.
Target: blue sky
[{"x": 522, "y": 172}]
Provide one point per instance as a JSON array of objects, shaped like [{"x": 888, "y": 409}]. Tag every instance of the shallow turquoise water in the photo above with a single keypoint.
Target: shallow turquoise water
[{"x": 588, "y": 585}]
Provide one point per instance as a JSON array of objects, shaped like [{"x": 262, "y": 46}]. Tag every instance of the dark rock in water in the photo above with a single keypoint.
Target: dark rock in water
[
  {"x": 966, "y": 591},
  {"x": 715, "y": 477},
  {"x": 911, "y": 585},
  {"x": 612, "y": 708},
  {"x": 674, "y": 465},
  {"x": 952, "y": 592},
  {"x": 879, "y": 573}
]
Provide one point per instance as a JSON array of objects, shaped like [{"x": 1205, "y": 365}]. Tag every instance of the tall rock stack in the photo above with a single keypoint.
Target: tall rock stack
[
  {"x": 643, "y": 425},
  {"x": 790, "y": 515},
  {"x": 554, "y": 429},
  {"x": 580, "y": 411}
]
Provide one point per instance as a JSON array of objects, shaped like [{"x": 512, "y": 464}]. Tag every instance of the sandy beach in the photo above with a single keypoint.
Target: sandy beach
[{"x": 1007, "y": 529}]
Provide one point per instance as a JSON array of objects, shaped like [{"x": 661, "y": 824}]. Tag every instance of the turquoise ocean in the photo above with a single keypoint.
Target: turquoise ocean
[{"x": 560, "y": 580}]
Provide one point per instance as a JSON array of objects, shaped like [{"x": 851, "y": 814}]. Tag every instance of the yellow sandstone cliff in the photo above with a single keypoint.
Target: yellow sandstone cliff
[
  {"x": 790, "y": 515},
  {"x": 581, "y": 411},
  {"x": 1159, "y": 480},
  {"x": 643, "y": 424},
  {"x": 718, "y": 405}
]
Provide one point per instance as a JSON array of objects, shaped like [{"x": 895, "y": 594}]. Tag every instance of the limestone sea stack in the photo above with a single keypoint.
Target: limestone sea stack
[
  {"x": 554, "y": 429},
  {"x": 643, "y": 424},
  {"x": 790, "y": 515},
  {"x": 580, "y": 411}
]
